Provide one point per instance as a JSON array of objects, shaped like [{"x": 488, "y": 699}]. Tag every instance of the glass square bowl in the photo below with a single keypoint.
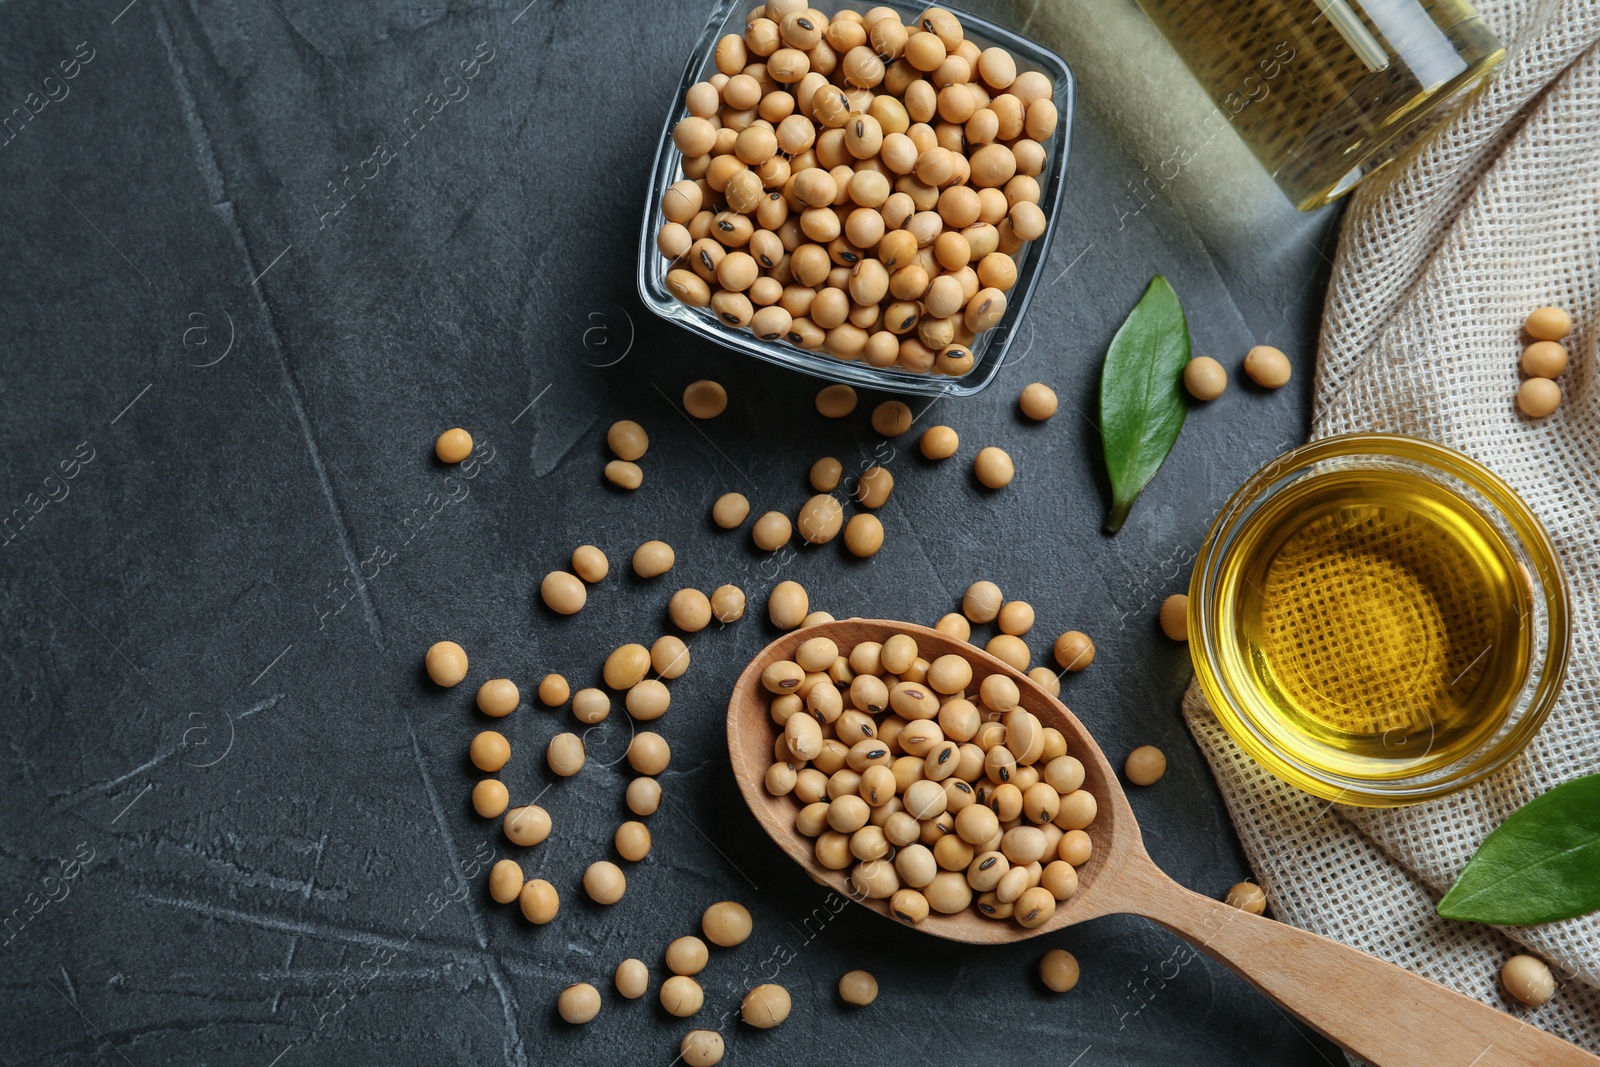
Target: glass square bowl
[{"x": 989, "y": 349}]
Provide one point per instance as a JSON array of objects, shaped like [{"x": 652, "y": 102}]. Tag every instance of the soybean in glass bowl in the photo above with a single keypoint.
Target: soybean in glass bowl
[
  {"x": 1379, "y": 620},
  {"x": 989, "y": 349}
]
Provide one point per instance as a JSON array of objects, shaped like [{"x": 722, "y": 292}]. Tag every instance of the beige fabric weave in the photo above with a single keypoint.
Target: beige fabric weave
[{"x": 1441, "y": 258}]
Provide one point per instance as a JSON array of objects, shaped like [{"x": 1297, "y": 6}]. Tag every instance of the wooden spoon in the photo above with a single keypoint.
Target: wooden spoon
[{"x": 1380, "y": 1012}]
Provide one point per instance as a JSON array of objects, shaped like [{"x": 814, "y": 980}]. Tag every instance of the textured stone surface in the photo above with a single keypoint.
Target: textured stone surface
[{"x": 213, "y": 630}]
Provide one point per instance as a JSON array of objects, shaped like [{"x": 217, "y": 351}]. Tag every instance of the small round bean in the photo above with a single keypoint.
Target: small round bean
[
  {"x": 788, "y": 605},
  {"x": 1038, "y": 401},
  {"x": 563, "y": 593},
  {"x": 1174, "y": 617},
  {"x": 490, "y": 799},
  {"x": 1058, "y": 970},
  {"x": 589, "y": 563},
  {"x": 489, "y": 751},
  {"x": 624, "y": 475},
  {"x": 766, "y": 1006},
  {"x": 627, "y": 440},
  {"x": 701, "y": 1048},
  {"x": 727, "y": 603},
  {"x": 498, "y": 697},
  {"x": 446, "y": 663},
  {"x": 1548, "y": 324},
  {"x": 891, "y": 418},
  {"x": 579, "y": 1003},
  {"x": 649, "y": 753},
  {"x": 527, "y": 825},
  {"x": 604, "y": 882},
  {"x": 836, "y": 401},
  {"x": 1204, "y": 378},
  {"x": 653, "y": 558},
  {"x": 539, "y": 901},
  {"x": 453, "y": 446},
  {"x": 1268, "y": 367},
  {"x": 860, "y": 987},
  {"x": 553, "y": 690},
  {"x": 644, "y": 796},
  {"x": 1074, "y": 651},
  {"x": 730, "y": 510},
  {"x": 726, "y": 923},
  {"x": 505, "y": 881},
  {"x": 565, "y": 754},
  {"x": 994, "y": 468},
  {"x": 632, "y": 978}
]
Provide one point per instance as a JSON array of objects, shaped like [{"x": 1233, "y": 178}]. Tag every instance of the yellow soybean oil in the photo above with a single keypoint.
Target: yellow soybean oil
[
  {"x": 1325, "y": 91},
  {"x": 1379, "y": 622}
]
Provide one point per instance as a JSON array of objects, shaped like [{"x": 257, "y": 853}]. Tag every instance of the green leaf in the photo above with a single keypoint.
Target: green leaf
[
  {"x": 1141, "y": 395},
  {"x": 1542, "y": 864}
]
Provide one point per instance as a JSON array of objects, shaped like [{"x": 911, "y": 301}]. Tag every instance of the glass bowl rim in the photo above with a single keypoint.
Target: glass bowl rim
[
  {"x": 1546, "y": 676},
  {"x": 652, "y": 289}
]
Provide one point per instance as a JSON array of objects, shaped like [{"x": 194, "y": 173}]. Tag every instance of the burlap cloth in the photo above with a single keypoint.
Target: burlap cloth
[{"x": 1440, "y": 259}]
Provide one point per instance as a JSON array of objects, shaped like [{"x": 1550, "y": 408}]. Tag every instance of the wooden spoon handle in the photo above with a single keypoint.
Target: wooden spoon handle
[{"x": 1382, "y": 1013}]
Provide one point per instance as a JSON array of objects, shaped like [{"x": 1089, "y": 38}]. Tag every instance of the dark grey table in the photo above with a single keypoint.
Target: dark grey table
[{"x": 236, "y": 820}]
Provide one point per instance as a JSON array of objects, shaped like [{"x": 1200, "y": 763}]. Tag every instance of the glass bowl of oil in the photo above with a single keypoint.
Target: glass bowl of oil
[{"x": 1379, "y": 620}]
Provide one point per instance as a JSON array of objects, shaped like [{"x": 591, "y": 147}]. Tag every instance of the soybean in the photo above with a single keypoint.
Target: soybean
[
  {"x": 624, "y": 475},
  {"x": 891, "y": 418},
  {"x": 489, "y": 751},
  {"x": 1038, "y": 401},
  {"x": 563, "y": 593},
  {"x": 627, "y": 440},
  {"x": 994, "y": 468},
  {"x": 787, "y": 605},
  {"x": 490, "y": 798},
  {"x": 765, "y": 1006},
  {"x": 446, "y": 663},
  {"x": 632, "y": 978},
  {"x": 505, "y": 881},
  {"x": 1268, "y": 367},
  {"x": 539, "y": 901},
  {"x": 1058, "y": 970},
  {"x": 863, "y": 535},
  {"x": 836, "y": 401},
  {"x": 498, "y": 697},
  {"x": 590, "y": 564},
  {"x": 1548, "y": 324},
  {"x": 682, "y": 996},
  {"x": 604, "y": 882},
  {"x": 653, "y": 558},
  {"x": 730, "y": 510},
  {"x": 707, "y": 399},
  {"x": 527, "y": 825},
  {"x": 669, "y": 656},
  {"x": 579, "y": 1003},
  {"x": 1204, "y": 378},
  {"x": 687, "y": 956},
  {"x": 701, "y": 1048},
  {"x": 726, "y": 923},
  {"x": 649, "y": 753},
  {"x": 565, "y": 754},
  {"x": 453, "y": 446},
  {"x": 859, "y": 987},
  {"x": 772, "y": 531},
  {"x": 553, "y": 690},
  {"x": 1528, "y": 979},
  {"x": 939, "y": 442},
  {"x": 1539, "y": 397},
  {"x": 1074, "y": 650},
  {"x": 728, "y": 603},
  {"x": 1247, "y": 896}
]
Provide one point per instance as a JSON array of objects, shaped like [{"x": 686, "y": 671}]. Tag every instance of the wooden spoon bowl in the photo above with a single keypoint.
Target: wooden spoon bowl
[
  {"x": 1372, "y": 1008},
  {"x": 751, "y": 734}
]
